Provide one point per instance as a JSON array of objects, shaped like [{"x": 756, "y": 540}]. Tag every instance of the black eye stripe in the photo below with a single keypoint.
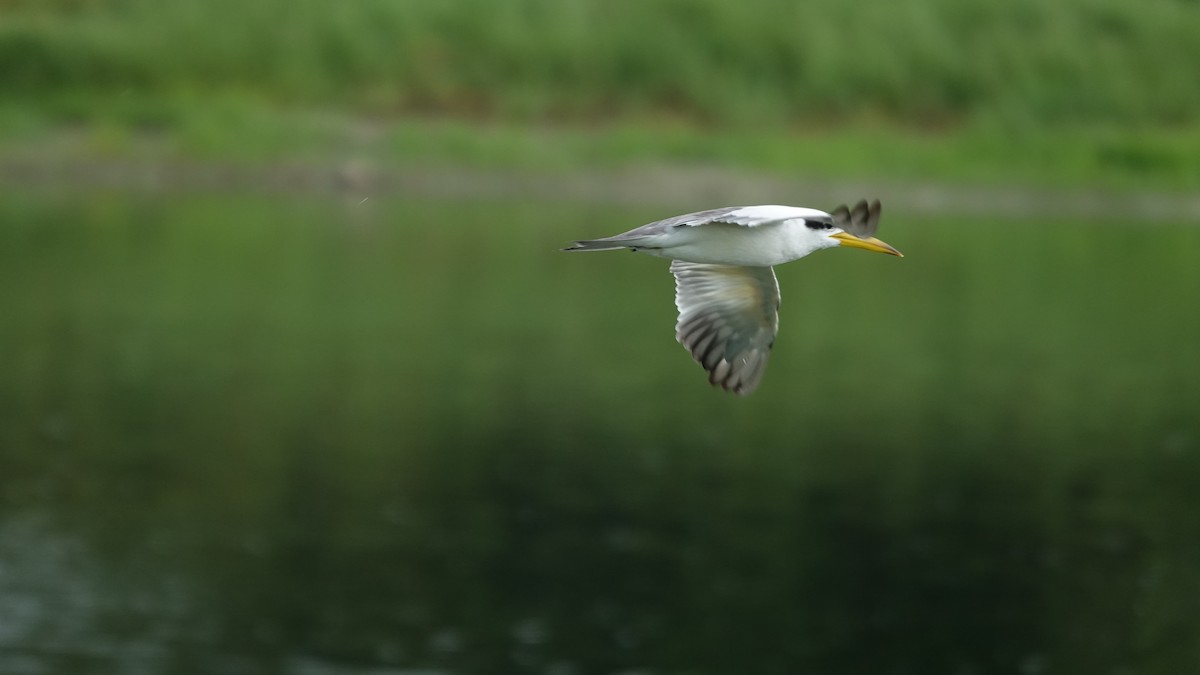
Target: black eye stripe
[{"x": 817, "y": 224}]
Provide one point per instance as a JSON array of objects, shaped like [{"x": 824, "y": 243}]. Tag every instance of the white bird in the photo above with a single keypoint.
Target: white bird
[{"x": 725, "y": 287}]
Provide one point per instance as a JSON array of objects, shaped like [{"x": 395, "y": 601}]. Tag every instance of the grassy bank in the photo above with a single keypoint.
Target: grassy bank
[
  {"x": 1084, "y": 92},
  {"x": 230, "y": 129}
]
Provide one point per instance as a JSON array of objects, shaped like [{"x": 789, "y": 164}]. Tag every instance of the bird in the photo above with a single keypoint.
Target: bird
[{"x": 725, "y": 288}]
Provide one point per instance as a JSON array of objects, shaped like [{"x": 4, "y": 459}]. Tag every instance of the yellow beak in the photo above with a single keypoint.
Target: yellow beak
[{"x": 868, "y": 243}]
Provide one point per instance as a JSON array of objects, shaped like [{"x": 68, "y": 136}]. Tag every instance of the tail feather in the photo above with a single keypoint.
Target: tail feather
[{"x": 598, "y": 245}]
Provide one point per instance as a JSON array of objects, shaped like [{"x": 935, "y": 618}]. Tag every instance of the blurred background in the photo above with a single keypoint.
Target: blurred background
[{"x": 293, "y": 379}]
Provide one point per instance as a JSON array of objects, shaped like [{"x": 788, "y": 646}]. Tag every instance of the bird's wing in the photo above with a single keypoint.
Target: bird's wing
[
  {"x": 722, "y": 215},
  {"x": 862, "y": 220},
  {"x": 745, "y": 216},
  {"x": 728, "y": 317}
]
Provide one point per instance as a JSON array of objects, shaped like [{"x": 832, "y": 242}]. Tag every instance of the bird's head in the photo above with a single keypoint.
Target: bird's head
[{"x": 851, "y": 227}]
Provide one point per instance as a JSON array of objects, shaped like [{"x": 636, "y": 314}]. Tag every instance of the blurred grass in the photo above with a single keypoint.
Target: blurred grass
[
  {"x": 935, "y": 62},
  {"x": 228, "y": 129},
  {"x": 1083, "y": 91}
]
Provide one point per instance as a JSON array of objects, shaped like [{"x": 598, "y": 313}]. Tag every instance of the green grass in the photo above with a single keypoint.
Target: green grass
[
  {"x": 933, "y": 63},
  {"x": 1109, "y": 158},
  {"x": 1085, "y": 92},
  {"x": 230, "y": 128}
]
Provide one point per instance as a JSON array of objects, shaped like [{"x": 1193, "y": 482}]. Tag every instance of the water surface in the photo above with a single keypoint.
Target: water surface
[{"x": 247, "y": 434}]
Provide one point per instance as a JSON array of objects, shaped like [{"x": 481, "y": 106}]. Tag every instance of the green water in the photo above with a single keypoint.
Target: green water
[{"x": 246, "y": 434}]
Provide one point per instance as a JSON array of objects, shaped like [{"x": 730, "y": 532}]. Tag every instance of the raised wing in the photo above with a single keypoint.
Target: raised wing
[
  {"x": 862, "y": 220},
  {"x": 745, "y": 216},
  {"x": 728, "y": 317}
]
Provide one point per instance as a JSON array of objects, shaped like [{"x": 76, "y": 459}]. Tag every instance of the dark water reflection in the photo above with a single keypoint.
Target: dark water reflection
[{"x": 252, "y": 436}]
